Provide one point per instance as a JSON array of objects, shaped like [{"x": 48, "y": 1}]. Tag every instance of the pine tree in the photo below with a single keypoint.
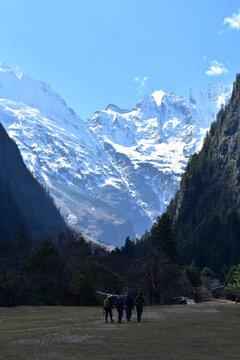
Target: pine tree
[{"x": 163, "y": 237}]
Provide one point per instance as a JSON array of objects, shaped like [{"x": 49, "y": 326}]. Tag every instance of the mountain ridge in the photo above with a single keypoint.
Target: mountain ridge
[{"x": 115, "y": 172}]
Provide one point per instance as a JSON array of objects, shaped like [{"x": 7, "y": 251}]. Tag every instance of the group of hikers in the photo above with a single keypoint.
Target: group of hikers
[{"x": 122, "y": 304}]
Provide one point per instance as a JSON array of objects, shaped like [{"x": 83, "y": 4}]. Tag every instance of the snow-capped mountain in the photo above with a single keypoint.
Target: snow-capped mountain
[
  {"x": 114, "y": 174},
  {"x": 60, "y": 150},
  {"x": 150, "y": 145}
]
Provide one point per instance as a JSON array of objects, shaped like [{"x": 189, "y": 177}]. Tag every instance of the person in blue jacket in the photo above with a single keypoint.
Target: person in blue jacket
[{"x": 129, "y": 306}]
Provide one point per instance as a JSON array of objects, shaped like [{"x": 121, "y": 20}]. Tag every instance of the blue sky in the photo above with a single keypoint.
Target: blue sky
[{"x": 114, "y": 51}]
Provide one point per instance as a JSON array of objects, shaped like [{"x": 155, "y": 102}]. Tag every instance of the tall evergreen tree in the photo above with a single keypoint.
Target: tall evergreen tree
[{"x": 163, "y": 237}]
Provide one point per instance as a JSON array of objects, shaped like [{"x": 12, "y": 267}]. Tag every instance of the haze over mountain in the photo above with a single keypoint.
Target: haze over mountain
[
  {"x": 114, "y": 174},
  {"x": 23, "y": 200}
]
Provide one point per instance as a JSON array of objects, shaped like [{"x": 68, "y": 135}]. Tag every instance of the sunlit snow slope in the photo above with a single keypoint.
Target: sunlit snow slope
[
  {"x": 150, "y": 144},
  {"x": 113, "y": 175}
]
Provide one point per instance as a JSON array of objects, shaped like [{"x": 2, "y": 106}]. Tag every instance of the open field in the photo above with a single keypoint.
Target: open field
[{"x": 202, "y": 331}]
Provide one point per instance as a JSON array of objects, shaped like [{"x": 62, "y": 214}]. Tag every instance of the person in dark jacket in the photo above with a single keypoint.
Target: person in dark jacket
[
  {"x": 139, "y": 302},
  {"x": 107, "y": 307},
  {"x": 120, "y": 305},
  {"x": 129, "y": 306}
]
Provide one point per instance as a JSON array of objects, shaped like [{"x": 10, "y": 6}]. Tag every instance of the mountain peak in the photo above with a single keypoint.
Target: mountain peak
[
  {"x": 115, "y": 108},
  {"x": 158, "y": 95}
]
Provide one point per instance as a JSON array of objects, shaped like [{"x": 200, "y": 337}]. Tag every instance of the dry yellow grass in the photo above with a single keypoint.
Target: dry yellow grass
[{"x": 206, "y": 331}]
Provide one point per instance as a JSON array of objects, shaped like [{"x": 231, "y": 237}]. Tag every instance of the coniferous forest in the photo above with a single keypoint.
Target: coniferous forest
[{"x": 67, "y": 270}]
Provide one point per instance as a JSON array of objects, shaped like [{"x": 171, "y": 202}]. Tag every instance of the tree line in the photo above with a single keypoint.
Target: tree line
[{"x": 67, "y": 270}]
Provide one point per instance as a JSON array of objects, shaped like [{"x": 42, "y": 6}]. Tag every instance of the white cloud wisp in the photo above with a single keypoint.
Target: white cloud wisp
[
  {"x": 140, "y": 83},
  {"x": 233, "y": 21},
  {"x": 216, "y": 68}
]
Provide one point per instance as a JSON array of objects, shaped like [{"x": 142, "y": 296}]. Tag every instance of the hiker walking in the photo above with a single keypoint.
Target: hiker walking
[
  {"x": 139, "y": 302},
  {"x": 107, "y": 307},
  {"x": 129, "y": 306},
  {"x": 120, "y": 305}
]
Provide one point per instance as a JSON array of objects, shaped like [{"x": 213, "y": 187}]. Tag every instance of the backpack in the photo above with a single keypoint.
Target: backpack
[
  {"x": 119, "y": 303},
  {"x": 105, "y": 303}
]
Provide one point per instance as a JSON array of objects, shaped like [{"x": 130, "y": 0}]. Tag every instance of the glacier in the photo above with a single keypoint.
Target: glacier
[{"x": 113, "y": 174}]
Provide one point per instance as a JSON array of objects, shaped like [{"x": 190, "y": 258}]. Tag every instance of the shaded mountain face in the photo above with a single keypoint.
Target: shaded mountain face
[
  {"x": 206, "y": 210},
  {"x": 23, "y": 200},
  {"x": 112, "y": 175}
]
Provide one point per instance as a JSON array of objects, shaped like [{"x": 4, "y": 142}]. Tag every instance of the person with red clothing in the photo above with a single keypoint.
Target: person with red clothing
[{"x": 120, "y": 305}]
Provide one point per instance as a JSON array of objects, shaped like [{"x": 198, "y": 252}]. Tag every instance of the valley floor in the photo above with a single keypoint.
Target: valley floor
[{"x": 202, "y": 331}]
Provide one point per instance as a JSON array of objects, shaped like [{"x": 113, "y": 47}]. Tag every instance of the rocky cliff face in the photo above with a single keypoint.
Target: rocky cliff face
[
  {"x": 114, "y": 174},
  {"x": 23, "y": 200}
]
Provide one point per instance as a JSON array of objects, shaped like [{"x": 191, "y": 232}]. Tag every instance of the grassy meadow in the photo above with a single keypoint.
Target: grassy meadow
[{"x": 202, "y": 331}]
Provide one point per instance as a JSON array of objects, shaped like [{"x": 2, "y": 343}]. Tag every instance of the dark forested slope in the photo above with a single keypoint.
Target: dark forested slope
[
  {"x": 206, "y": 209},
  {"x": 22, "y": 199}
]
